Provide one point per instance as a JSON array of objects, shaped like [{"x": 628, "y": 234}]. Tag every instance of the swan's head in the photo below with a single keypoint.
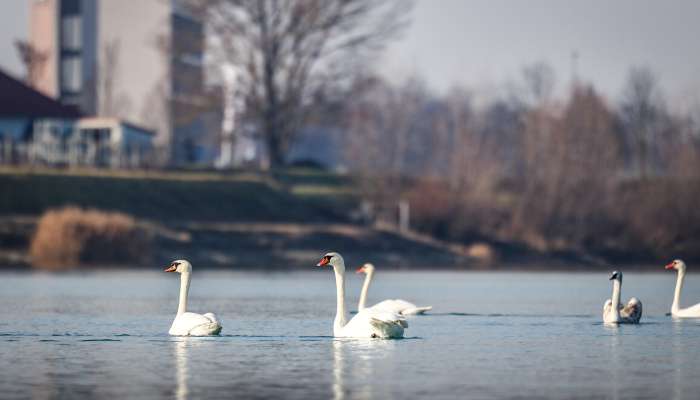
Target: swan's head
[
  {"x": 616, "y": 276},
  {"x": 678, "y": 265},
  {"x": 333, "y": 259},
  {"x": 181, "y": 266},
  {"x": 366, "y": 268}
]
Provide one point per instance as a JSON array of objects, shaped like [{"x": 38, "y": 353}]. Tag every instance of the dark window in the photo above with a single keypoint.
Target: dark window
[{"x": 70, "y": 7}]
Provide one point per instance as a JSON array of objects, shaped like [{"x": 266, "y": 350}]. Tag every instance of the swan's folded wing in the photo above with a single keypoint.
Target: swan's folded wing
[
  {"x": 196, "y": 324},
  {"x": 379, "y": 317},
  {"x": 387, "y": 305},
  {"x": 211, "y": 317},
  {"x": 633, "y": 310},
  {"x": 416, "y": 310},
  {"x": 399, "y": 306},
  {"x": 607, "y": 306},
  {"x": 689, "y": 312},
  {"x": 403, "y": 304}
]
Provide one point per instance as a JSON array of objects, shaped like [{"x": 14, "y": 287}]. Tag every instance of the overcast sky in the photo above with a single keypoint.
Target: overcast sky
[{"x": 483, "y": 44}]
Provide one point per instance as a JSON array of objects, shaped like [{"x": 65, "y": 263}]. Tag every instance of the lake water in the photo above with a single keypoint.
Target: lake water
[{"x": 490, "y": 335}]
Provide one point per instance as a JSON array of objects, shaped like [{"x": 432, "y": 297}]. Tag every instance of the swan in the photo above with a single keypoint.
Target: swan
[
  {"x": 398, "y": 306},
  {"x": 676, "y": 311},
  {"x": 617, "y": 314},
  {"x": 367, "y": 323},
  {"x": 188, "y": 323}
]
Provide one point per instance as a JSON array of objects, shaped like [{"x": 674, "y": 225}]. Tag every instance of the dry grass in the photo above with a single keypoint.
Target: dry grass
[{"x": 71, "y": 236}]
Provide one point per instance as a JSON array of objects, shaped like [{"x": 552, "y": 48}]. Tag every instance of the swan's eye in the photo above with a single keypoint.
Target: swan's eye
[{"x": 324, "y": 261}]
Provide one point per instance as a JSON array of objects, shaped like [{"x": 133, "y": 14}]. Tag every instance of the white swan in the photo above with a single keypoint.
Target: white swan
[
  {"x": 676, "y": 311},
  {"x": 614, "y": 312},
  {"x": 397, "y": 305},
  {"x": 188, "y": 323},
  {"x": 367, "y": 323}
]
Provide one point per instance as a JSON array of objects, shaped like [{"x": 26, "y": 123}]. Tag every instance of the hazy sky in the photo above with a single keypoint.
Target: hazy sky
[{"x": 484, "y": 44}]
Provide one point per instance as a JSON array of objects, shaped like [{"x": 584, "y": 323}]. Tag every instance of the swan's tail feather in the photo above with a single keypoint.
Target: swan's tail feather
[
  {"x": 416, "y": 310},
  {"x": 216, "y": 329}
]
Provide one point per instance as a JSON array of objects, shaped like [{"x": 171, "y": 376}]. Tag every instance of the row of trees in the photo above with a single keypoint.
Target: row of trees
[{"x": 574, "y": 173}]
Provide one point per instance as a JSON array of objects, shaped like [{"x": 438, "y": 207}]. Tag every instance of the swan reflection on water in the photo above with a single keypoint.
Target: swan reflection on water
[
  {"x": 678, "y": 352},
  {"x": 181, "y": 360},
  {"x": 615, "y": 350},
  {"x": 355, "y": 363}
]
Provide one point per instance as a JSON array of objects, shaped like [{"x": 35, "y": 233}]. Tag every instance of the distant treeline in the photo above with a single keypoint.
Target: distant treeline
[{"x": 619, "y": 180}]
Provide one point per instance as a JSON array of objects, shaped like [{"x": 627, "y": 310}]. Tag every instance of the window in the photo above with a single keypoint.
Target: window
[
  {"x": 71, "y": 32},
  {"x": 71, "y": 74},
  {"x": 69, "y": 7}
]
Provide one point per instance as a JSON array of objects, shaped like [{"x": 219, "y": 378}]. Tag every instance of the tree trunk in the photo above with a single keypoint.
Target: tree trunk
[{"x": 274, "y": 147}]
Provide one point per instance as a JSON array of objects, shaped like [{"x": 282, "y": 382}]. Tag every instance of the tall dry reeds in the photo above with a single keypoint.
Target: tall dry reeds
[{"x": 70, "y": 237}]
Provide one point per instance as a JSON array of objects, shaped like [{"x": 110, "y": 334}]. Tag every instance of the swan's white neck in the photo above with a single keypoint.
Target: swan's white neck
[
  {"x": 340, "y": 313},
  {"x": 365, "y": 288},
  {"x": 677, "y": 294},
  {"x": 184, "y": 289},
  {"x": 616, "y": 298}
]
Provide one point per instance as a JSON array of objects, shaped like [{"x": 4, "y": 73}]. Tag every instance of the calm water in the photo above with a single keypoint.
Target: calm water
[{"x": 491, "y": 335}]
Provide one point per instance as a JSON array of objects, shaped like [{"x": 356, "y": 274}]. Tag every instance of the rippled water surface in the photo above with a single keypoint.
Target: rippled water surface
[{"x": 490, "y": 335}]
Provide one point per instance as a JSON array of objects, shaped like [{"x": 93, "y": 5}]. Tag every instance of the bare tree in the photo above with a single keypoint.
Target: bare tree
[
  {"x": 33, "y": 60},
  {"x": 289, "y": 51},
  {"x": 539, "y": 81},
  {"x": 112, "y": 103},
  {"x": 642, "y": 113}
]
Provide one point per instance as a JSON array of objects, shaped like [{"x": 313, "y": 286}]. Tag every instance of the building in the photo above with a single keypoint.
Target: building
[
  {"x": 136, "y": 60},
  {"x": 110, "y": 142},
  {"x": 36, "y": 129}
]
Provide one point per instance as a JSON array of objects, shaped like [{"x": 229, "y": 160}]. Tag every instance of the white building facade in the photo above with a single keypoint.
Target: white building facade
[{"x": 137, "y": 60}]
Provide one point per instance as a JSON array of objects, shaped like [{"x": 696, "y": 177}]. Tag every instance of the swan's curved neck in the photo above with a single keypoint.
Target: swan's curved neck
[
  {"x": 341, "y": 313},
  {"x": 365, "y": 288},
  {"x": 677, "y": 294},
  {"x": 616, "y": 297},
  {"x": 184, "y": 289}
]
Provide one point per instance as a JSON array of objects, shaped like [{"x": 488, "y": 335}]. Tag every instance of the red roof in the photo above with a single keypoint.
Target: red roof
[{"x": 19, "y": 100}]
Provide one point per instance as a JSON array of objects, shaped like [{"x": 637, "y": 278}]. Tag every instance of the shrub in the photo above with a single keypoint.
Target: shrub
[{"x": 71, "y": 236}]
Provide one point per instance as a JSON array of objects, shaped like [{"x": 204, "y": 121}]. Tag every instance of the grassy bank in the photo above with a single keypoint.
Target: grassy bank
[
  {"x": 276, "y": 220},
  {"x": 290, "y": 196}
]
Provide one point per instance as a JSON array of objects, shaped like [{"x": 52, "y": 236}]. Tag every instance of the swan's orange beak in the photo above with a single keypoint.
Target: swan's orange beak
[
  {"x": 360, "y": 270},
  {"x": 669, "y": 266},
  {"x": 171, "y": 268},
  {"x": 324, "y": 261}
]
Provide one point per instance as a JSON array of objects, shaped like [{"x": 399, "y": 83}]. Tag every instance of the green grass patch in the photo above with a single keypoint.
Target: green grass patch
[{"x": 178, "y": 195}]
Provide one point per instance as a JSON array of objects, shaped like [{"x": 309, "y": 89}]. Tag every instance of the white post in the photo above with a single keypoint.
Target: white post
[
  {"x": 404, "y": 215},
  {"x": 228, "y": 124}
]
